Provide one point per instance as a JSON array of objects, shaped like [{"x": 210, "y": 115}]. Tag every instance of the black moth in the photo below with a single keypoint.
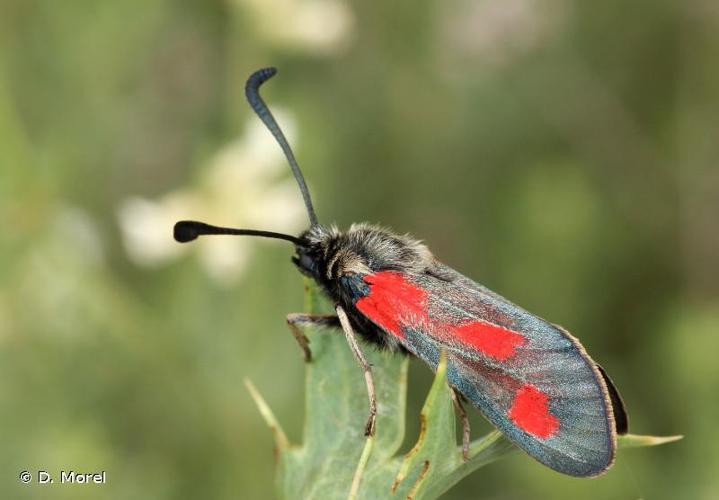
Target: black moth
[{"x": 530, "y": 378}]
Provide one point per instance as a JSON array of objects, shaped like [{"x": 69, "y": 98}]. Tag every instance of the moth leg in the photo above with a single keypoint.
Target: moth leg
[
  {"x": 354, "y": 347},
  {"x": 296, "y": 319},
  {"x": 457, "y": 400}
]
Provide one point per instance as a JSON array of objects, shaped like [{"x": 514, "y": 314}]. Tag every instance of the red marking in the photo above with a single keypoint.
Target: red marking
[
  {"x": 530, "y": 411},
  {"x": 393, "y": 302},
  {"x": 494, "y": 341}
]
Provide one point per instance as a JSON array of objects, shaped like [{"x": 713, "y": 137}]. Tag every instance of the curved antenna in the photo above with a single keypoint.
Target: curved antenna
[
  {"x": 188, "y": 230},
  {"x": 252, "y": 92}
]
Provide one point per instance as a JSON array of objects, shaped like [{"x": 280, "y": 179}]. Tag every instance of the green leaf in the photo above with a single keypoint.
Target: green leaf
[
  {"x": 336, "y": 409},
  {"x": 336, "y": 460},
  {"x": 435, "y": 463},
  {"x": 638, "y": 441}
]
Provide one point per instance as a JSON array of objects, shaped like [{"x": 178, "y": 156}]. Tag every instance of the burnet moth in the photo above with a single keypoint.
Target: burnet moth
[{"x": 530, "y": 378}]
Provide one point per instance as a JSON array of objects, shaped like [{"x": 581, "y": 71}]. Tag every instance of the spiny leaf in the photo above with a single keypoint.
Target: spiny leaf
[
  {"x": 335, "y": 412},
  {"x": 267, "y": 415},
  {"x": 638, "y": 441},
  {"x": 436, "y": 440},
  {"x": 436, "y": 463}
]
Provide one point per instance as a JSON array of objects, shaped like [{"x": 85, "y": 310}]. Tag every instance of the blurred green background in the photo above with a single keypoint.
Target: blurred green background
[{"x": 561, "y": 153}]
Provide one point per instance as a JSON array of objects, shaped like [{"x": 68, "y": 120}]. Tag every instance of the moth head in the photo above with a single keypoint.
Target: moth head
[
  {"x": 327, "y": 254},
  {"x": 310, "y": 251}
]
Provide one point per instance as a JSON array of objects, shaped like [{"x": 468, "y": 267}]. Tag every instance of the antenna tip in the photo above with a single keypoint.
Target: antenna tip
[
  {"x": 186, "y": 230},
  {"x": 259, "y": 77}
]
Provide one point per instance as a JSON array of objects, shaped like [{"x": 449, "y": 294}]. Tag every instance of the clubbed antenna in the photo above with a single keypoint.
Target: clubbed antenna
[
  {"x": 189, "y": 230},
  {"x": 252, "y": 91}
]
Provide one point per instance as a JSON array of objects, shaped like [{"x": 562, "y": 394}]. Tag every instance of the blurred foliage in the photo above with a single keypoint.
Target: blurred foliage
[{"x": 562, "y": 153}]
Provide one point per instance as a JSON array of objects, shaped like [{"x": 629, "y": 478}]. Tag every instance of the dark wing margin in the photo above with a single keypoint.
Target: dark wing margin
[
  {"x": 621, "y": 419},
  {"x": 531, "y": 379}
]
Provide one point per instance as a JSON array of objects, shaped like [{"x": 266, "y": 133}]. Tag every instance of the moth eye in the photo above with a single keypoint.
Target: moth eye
[{"x": 305, "y": 262}]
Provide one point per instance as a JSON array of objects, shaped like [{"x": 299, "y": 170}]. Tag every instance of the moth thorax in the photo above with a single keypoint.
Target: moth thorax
[
  {"x": 346, "y": 261},
  {"x": 365, "y": 249}
]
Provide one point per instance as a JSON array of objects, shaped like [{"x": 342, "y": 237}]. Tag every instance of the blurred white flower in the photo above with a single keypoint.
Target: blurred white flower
[
  {"x": 496, "y": 31},
  {"x": 322, "y": 27},
  {"x": 146, "y": 224},
  {"x": 247, "y": 184}
]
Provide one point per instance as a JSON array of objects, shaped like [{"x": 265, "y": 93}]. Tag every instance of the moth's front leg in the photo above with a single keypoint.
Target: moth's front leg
[
  {"x": 354, "y": 347},
  {"x": 296, "y": 319}
]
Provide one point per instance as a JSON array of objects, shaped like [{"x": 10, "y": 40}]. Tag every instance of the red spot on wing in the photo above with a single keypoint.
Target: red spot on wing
[
  {"x": 530, "y": 411},
  {"x": 494, "y": 341},
  {"x": 392, "y": 301}
]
